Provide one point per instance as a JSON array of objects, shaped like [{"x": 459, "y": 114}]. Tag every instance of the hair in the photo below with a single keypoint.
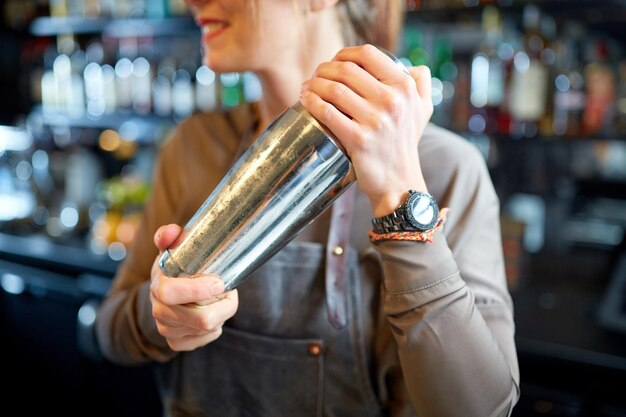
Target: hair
[{"x": 379, "y": 22}]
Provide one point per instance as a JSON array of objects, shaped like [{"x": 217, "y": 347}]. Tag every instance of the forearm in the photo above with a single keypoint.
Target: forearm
[{"x": 455, "y": 361}]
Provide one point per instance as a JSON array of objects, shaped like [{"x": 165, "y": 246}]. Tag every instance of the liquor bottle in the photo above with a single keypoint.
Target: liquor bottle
[
  {"x": 49, "y": 86},
  {"x": 619, "y": 125},
  {"x": 94, "y": 81},
  {"x": 445, "y": 74},
  {"x": 183, "y": 101},
  {"x": 487, "y": 75},
  {"x": 548, "y": 57},
  {"x": 162, "y": 88},
  {"x": 141, "y": 85},
  {"x": 569, "y": 83},
  {"x": 461, "y": 107},
  {"x": 600, "y": 90},
  {"x": 527, "y": 99}
]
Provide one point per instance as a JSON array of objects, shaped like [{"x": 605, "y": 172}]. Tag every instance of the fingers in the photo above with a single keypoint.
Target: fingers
[
  {"x": 374, "y": 61},
  {"x": 339, "y": 123},
  {"x": 166, "y": 235},
  {"x": 190, "y": 326},
  {"x": 351, "y": 74},
  {"x": 340, "y": 96},
  {"x": 186, "y": 290},
  {"x": 423, "y": 80},
  {"x": 190, "y": 343}
]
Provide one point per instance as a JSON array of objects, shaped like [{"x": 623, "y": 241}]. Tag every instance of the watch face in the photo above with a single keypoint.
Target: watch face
[{"x": 421, "y": 211}]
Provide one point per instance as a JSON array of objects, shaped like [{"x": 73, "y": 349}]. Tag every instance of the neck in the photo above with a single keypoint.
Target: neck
[{"x": 320, "y": 41}]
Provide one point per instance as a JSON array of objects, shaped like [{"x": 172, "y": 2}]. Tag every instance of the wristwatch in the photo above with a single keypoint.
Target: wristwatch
[{"x": 418, "y": 213}]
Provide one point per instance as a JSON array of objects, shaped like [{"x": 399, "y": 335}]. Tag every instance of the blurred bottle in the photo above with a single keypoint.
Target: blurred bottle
[
  {"x": 176, "y": 7},
  {"x": 529, "y": 80},
  {"x": 183, "y": 101},
  {"x": 487, "y": 75},
  {"x": 114, "y": 227},
  {"x": 76, "y": 97},
  {"x": 444, "y": 77},
  {"x": 156, "y": 9},
  {"x": 252, "y": 88},
  {"x": 123, "y": 82},
  {"x": 91, "y": 8},
  {"x": 94, "y": 81},
  {"x": 58, "y": 8},
  {"x": 141, "y": 86},
  {"x": 569, "y": 85},
  {"x": 619, "y": 127},
  {"x": 461, "y": 106},
  {"x": 162, "y": 88},
  {"x": 548, "y": 58},
  {"x": 83, "y": 173},
  {"x": 413, "y": 46},
  {"x": 231, "y": 93},
  {"x": 600, "y": 89},
  {"x": 206, "y": 89}
]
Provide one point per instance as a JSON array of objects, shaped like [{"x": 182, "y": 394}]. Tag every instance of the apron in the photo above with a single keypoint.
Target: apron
[{"x": 288, "y": 351}]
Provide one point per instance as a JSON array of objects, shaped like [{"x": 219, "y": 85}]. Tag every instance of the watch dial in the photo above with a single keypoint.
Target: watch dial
[{"x": 423, "y": 211}]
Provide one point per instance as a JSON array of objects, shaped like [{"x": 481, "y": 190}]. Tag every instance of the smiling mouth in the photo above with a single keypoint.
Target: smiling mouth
[{"x": 212, "y": 28}]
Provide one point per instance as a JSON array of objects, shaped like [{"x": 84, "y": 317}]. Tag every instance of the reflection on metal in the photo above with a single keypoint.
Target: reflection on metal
[{"x": 289, "y": 176}]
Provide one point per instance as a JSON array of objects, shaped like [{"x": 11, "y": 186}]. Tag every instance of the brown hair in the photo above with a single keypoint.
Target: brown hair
[{"x": 378, "y": 22}]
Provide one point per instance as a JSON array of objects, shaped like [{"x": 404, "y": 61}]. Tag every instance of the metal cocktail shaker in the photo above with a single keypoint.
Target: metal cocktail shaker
[
  {"x": 289, "y": 176},
  {"x": 292, "y": 172}
]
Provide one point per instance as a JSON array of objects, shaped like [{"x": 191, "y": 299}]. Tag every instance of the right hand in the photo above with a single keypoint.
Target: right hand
[{"x": 189, "y": 311}]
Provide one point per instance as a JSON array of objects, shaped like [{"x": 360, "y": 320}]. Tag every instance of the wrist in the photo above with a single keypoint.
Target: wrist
[
  {"x": 388, "y": 202},
  {"x": 418, "y": 212}
]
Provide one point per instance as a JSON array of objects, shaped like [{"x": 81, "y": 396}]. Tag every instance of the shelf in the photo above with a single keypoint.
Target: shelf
[
  {"x": 607, "y": 16},
  {"x": 143, "y": 128},
  {"x": 558, "y": 140},
  {"x": 119, "y": 28},
  {"x": 41, "y": 251}
]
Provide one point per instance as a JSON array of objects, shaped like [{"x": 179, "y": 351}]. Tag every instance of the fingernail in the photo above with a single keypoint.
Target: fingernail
[{"x": 216, "y": 287}]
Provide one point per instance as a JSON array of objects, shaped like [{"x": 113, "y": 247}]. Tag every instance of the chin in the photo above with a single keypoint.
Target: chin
[{"x": 221, "y": 64}]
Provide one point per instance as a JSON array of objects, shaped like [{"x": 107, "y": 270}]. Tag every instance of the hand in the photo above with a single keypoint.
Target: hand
[
  {"x": 189, "y": 311},
  {"x": 378, "y": 113}
]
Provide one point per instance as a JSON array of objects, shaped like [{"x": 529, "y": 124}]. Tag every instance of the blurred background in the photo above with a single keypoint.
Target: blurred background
[{"x": 92, "y": 88}]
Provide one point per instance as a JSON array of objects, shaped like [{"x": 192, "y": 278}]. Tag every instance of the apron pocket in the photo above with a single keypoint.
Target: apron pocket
[{"x": 243, "y": 374}]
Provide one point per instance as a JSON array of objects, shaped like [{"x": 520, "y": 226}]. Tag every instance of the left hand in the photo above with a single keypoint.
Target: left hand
[{"x": 378, "y": 113}]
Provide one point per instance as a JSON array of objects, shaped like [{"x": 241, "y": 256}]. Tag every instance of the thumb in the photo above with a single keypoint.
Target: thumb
[
  {"x": 166, "y": 235},
  {"x": 422, "y": 77}
]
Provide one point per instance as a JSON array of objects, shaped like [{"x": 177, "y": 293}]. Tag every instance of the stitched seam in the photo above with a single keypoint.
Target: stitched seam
[{"x": 432, "y": 284}]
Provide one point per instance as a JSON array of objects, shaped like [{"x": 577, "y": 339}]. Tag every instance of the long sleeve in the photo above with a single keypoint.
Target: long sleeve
[{"x": 447, "y": 302}]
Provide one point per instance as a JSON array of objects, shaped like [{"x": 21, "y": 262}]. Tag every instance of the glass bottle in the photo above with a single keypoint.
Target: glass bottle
[
  {"x": 600, "y": 91},
  {"x": 527, "y": 99}
]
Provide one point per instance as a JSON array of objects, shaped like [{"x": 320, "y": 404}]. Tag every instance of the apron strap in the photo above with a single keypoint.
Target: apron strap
[{"x": 337, "y": 257}]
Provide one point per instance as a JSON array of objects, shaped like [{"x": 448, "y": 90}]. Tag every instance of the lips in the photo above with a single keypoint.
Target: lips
[{"x": 211, "y": 27}]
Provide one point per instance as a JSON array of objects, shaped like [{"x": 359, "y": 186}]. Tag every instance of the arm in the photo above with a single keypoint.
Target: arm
[
  {"x": 448, "y": 305},
  {"x": 454, "y": 333},
  {"x": 147, "y": 315}
]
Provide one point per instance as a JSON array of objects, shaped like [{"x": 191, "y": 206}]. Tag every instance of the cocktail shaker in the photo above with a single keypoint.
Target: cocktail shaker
[{"x": 289, "y": 176}]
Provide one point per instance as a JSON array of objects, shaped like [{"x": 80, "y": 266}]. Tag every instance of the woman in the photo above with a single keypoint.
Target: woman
[{"x": 409, "y": 327}]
